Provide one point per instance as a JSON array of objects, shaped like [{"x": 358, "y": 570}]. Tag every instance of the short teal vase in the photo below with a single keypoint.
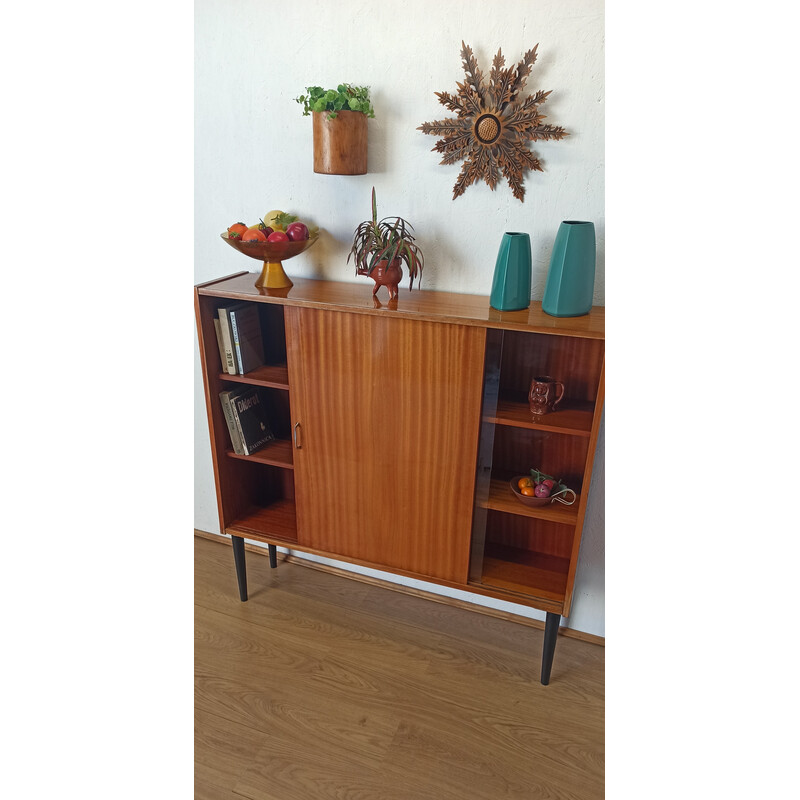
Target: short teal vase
[
  {"x": 511, "y": 286},
  {"x": 570, "y": 280}
]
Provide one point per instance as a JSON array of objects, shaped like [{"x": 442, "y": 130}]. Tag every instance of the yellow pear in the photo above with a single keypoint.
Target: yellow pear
[{"x": 269, "y": 219}]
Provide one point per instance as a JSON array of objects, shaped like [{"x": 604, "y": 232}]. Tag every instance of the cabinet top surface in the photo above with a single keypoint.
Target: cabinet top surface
[{"x": 464, "y": 309}]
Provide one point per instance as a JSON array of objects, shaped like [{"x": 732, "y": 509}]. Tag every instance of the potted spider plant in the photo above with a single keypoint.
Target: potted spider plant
[
  {"x": 340, "y": 127},
  {"x": 381, "y": 246}
]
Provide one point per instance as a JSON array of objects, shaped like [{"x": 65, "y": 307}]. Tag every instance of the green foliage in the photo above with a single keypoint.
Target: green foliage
[
  {"x": 386, "y": 239},
  {"x": 343, "y": 98},
  {"x": 559, "y": 487}
]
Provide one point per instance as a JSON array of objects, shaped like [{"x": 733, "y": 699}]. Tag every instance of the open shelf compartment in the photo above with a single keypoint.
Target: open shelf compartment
[
  {"x": 525, "y": 572},
  {"x": 273, "y": 372},
  {"x": 261, "y": 503},
  {"x": 525, "y": 555},
  {"x": 279, "y": 452},
  {"x": 276, "y": 523},
  {"x": 518, "y": 549}
]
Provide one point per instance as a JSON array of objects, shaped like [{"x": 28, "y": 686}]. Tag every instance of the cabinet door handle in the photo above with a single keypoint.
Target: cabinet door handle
[{"x": 297, "y": 442}]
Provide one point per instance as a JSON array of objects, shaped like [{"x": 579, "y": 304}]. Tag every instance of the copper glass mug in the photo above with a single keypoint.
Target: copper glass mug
[{"x": 545, "y": 394}]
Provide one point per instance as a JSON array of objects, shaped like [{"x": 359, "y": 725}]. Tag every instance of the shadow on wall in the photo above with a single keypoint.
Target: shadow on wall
[
  {"x": 377, "y": 137},
  {"x": 328, "y": 259}
]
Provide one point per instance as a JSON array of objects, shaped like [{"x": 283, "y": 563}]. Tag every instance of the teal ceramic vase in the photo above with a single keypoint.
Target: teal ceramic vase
[
  {"x": 511, "y": 285},
  {"x": 570, "y": 280}
]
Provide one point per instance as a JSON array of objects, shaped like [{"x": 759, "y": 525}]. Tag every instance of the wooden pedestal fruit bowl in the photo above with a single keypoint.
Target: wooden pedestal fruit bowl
[{"x": 272, "y": 254}]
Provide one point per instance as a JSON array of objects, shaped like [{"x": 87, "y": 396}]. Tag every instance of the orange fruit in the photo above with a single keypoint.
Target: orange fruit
[
  {"x": 238, "y": 227},
  {"x": 527, "y": 491},
  {"x": 254, "y": 235},
  {"x": 524, "y": 483}
]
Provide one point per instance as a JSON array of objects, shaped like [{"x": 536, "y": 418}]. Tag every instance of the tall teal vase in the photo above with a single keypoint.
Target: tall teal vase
[
  {"x": 511, "y": 285},
  {"x": 570, "y": 280}
]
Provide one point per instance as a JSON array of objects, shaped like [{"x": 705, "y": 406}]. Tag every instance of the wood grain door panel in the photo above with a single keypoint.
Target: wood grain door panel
[{"x": 389, "y": 415}]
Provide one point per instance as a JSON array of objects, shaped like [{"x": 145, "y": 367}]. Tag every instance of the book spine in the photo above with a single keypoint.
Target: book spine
[
  {"x": 237, "y": 347},
  {"x": 236, "y": 436},
  {"x": 224, "y": 324},
  {"x": 220, "y": 344},
  {"x": 245, "y": 449}
]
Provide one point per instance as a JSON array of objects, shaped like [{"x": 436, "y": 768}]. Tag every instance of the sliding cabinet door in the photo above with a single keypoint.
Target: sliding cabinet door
[{"x": 386, "y": 416}]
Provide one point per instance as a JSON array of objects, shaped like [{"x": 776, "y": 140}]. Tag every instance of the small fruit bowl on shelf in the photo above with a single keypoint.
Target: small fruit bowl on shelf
[
  {"x": 272, "y": 254},
  {"x": 532, "y": 492}
]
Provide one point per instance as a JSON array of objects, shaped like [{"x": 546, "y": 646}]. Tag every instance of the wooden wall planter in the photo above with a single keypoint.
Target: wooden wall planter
[{"x": 340, "y": 144}]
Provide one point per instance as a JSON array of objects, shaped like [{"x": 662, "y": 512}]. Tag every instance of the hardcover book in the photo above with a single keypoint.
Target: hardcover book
[
  {"x": 220, "y": 344},
  {"x": 246, "y": 332},
  {"x": 227, "y": 336},
  {"x": 250, "y": 413},
  {"x": 233, "y": 429}
]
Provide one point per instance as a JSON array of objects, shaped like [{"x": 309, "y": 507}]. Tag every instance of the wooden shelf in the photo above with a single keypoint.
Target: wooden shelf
[
  {"x": 275, "y": 376},
  {"x": 525, "y": 572},
  {"x": 278, "y": 452},
  {"x": 276, "y": 523},
  {"x": 501, "y": 498},
  {"x": 574, "y": 420}
]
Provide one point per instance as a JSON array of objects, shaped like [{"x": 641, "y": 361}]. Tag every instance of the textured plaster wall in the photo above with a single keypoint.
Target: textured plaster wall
[{"x": 253, "y": 153}]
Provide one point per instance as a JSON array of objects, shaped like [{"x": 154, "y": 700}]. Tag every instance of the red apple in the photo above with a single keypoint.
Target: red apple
[
  {"x": 297, "y": 231},
  {"x": 277, "y": 236},
  {"x": 541, "y": 490}
]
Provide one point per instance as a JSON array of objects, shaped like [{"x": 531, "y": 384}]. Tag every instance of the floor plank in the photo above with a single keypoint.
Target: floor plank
[
  {"x": 323, "y": 687},
  {"x": 223, "y": 750}
]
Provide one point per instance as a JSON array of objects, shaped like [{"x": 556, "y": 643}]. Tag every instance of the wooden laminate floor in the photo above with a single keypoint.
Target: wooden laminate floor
[{"x": 322, "y": 687}]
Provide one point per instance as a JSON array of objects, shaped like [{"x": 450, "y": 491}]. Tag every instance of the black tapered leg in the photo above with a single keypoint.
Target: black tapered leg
[
  {"x": 273, "y": 556},
  {"x": 548, "y": 650},
  {"x": 241, "y": 569}
]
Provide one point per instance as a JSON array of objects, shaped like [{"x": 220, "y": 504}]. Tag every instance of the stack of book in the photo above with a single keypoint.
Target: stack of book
[
  {"x": 241, "y": 348},
  {"x": 246, "y": 415}
]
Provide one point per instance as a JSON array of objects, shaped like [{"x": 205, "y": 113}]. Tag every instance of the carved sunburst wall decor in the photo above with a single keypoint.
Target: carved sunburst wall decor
[{"x": 493, "y": 125}]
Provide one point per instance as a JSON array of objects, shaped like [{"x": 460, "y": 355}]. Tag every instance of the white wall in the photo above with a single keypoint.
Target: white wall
[{"x": 253, "y": 153}]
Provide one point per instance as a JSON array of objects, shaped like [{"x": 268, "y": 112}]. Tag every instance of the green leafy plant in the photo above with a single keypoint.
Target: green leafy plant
[
  {"x": 387, "y": 239},
  {"x": 558, "y": 488},
  {"x": 343, "y": 98}
]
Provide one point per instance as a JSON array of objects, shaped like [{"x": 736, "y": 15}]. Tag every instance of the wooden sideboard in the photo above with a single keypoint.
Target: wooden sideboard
[{"x": 398, "y": 427}]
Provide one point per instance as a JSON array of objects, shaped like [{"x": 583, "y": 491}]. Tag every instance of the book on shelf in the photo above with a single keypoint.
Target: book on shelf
[
  {"x": 220, "y": 344},
  {"x": 233, "y": 430},
  {"x": 250, "y": 415},
  {"x": 227, "y": 337},
  {"x": 246, "y": 333}
]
